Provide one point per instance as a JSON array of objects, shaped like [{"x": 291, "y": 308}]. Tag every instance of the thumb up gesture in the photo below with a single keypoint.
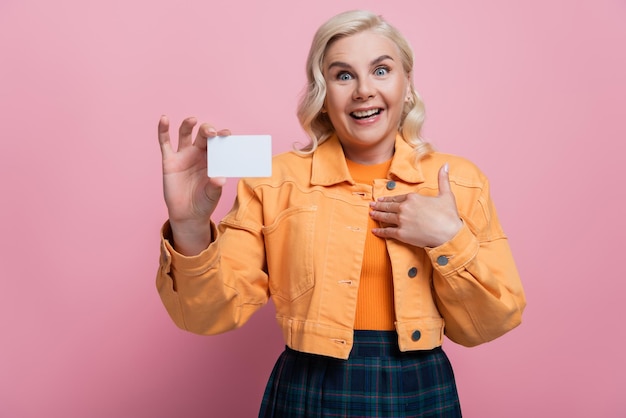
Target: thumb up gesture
[{"x": 422, "y": 221}]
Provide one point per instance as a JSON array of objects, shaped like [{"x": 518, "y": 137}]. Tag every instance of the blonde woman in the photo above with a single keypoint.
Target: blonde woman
[{"x": 371, "y": 245}]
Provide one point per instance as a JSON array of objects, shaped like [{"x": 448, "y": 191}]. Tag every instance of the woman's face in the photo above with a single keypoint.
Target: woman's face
[{"x": 366, "y": 91}]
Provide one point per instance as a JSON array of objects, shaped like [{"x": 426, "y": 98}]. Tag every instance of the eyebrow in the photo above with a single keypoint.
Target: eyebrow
[{"x": 374, "y": 62}]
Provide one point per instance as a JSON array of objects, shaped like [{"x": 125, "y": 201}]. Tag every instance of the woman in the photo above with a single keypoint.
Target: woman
[{"x": 371, "y": 245}]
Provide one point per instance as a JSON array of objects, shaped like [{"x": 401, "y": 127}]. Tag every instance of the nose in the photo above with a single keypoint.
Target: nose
[{"x": 364, "y": 89}]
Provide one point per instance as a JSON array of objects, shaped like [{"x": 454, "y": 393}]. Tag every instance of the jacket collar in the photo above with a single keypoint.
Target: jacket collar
[{"x": 329, "y": 164}]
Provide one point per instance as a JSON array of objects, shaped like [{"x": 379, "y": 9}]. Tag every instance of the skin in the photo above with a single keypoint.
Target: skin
[
  {"x": 191, "y": 197},
  {"x": 422, "y": 221},
  {"x": 363, "y": 73}
]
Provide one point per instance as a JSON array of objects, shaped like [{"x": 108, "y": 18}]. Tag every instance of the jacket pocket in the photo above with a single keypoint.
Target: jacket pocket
[{"x": 289, "y": 251}]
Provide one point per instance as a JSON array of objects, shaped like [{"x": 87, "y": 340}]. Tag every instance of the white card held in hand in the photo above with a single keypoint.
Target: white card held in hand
[{"x": 239, "y": 156}]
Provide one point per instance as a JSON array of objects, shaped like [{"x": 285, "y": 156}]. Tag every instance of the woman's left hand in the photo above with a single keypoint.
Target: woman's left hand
[{"x": 422, "y": 221}]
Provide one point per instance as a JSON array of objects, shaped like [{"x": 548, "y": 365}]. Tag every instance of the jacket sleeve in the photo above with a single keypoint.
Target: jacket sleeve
[
  {"x": 219, "y": 289},
  {"x": 477, "y": 287}
]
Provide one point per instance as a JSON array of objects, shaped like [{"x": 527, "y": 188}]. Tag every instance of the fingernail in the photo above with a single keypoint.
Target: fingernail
[{"x": 446, "y": 167}]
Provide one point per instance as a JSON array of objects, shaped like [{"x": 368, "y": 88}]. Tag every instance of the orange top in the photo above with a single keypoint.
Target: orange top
[{"x": 374, "y": 308}]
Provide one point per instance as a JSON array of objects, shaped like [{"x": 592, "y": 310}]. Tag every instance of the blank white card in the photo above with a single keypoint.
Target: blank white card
[{"x": 239, "y": 156}]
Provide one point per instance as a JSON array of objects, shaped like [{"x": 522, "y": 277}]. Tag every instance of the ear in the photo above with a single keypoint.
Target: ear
[
  {"x": 324, "y": 109},
  {"x": 409, "y": 95}
]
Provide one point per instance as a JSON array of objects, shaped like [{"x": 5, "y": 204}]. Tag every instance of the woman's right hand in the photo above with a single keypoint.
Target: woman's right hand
[{"x": 190, "y": 195}]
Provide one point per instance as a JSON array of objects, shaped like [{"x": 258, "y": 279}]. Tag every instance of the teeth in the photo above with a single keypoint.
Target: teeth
[{"x": 366, "y": 113}]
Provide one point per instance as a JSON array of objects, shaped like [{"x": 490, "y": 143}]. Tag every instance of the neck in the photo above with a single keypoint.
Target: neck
[{"x": 369, "y": 156}]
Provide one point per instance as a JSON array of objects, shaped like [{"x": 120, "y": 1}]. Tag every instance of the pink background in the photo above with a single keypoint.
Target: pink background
[{"x": 533, "y": 91}]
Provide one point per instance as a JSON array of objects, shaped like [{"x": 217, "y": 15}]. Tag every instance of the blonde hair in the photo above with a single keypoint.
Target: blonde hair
[{"x": 317, "y": 124}]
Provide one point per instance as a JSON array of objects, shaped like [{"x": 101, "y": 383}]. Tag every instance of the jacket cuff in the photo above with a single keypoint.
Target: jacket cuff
[
  {"x": 456, "y": 253},
  {"x": 187, "y": 265}
]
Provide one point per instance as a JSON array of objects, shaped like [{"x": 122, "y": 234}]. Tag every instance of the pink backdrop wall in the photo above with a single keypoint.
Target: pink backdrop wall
[{"x": 532, "y": 91}]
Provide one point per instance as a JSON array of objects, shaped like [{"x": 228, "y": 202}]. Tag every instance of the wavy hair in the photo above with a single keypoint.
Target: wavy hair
[{"x": 316, "y": 124}]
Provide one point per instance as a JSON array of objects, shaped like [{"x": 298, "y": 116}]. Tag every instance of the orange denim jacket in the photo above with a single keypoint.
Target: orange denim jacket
[{"x": 299, "y": 237}]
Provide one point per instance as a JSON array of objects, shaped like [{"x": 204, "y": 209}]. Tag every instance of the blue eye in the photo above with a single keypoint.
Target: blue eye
[
  {"x": 344, "y": 76},
  {"x": 380, "y": 71}
]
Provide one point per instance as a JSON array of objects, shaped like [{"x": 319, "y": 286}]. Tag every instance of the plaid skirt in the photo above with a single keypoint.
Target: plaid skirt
[{"x": 378, "y": 380}]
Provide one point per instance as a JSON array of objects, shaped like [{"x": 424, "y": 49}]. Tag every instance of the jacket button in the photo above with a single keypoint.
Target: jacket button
[
  {"x": 391, "y": 185},
  {"x": 442, "y": 260},
  {"x": 416, "y": 335},
  {"x": 412, "y": 272}
]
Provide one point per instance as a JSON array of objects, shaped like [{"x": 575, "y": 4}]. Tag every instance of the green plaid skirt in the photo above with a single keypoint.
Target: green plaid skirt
[{"x": 376, "y": 381}]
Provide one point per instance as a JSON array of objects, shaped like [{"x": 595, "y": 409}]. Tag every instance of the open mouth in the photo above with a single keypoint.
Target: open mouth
[{"x": 365, "y": 114}]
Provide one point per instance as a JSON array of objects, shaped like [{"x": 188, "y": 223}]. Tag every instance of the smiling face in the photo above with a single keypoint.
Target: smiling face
[{"x": 366, "y": 88}]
